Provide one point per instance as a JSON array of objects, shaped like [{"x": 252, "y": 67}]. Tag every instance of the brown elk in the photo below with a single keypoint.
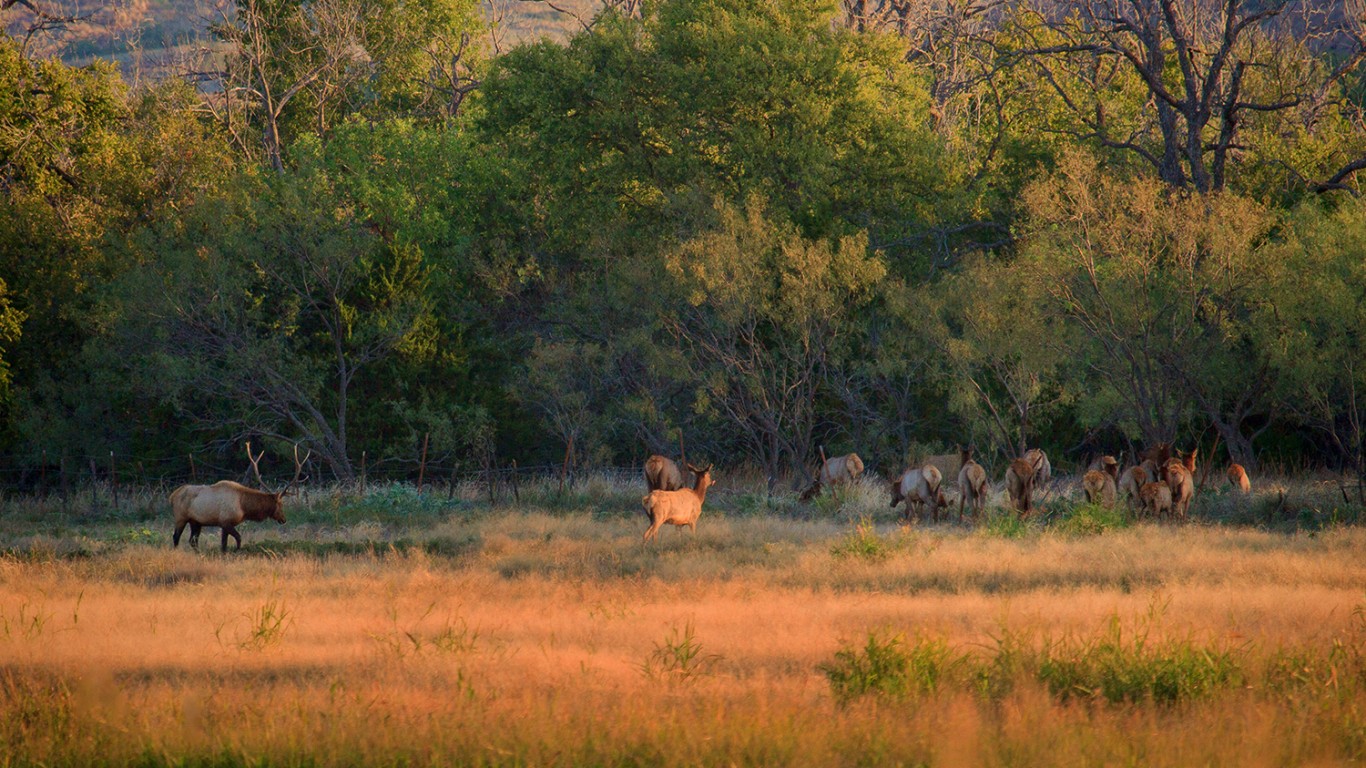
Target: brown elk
[
  {"x": 1237, "y": 477},
  {"x": 1131, "y": 482},
  {"x": 662, "y": 474},
  {"x": 1180, "y": 476},
  {"x": 972, "y": 484},
  {"x": 226, "y": 504},
  {"x": 1101, "y": 485},
  {"x": 1020, "y": 476},
  {"x": 837, "y": 470},
  {"x": 1155, "y": 499},
  {"x": 919, "y": 486},
  {"x": 679, "y": 508},
  {"x": 1043, "y": 470}
]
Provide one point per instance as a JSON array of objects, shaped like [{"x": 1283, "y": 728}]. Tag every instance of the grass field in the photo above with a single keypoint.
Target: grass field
[{"x": 393, "y": 628}]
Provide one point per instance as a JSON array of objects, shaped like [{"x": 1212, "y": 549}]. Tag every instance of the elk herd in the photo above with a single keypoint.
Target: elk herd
[{"x": 1159, "y": 487}]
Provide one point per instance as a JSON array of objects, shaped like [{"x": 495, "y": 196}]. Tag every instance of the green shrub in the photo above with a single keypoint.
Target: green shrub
[
  {"x": 888, "y": 667},
  {"x": 1090, "y": 520},
  {"x": 1005, "y": 524}
]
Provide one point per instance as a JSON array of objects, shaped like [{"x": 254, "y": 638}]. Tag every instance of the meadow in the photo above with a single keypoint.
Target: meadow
[{"x": 389, "y": 627}]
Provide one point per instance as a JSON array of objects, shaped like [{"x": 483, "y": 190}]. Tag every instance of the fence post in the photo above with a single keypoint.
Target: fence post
[
  {"x": 362, "y": 473},
  {"x": 490, "y": 473},
  {"x": 516, "y": 492},
  {"x": 564, "y": 470},
  {"x": 194, "y": 473},
  {"x": 113, "y": 481},
  {"x": 94, "y": 489},
  {"x": 422, "y": 463},
  {"x": 65, "y": 486}
]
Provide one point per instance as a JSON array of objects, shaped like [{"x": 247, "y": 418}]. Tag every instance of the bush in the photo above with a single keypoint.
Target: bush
[
  {"x": 1090, "y": 520},
  {"x": 887, "y": 667}
]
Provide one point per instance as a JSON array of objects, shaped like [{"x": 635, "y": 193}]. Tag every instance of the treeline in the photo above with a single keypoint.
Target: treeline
[{"x": 759, "y": 228}]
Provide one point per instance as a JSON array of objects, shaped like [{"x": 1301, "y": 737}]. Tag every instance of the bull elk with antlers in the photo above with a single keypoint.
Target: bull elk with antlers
[{"x": 226, "y": 504}]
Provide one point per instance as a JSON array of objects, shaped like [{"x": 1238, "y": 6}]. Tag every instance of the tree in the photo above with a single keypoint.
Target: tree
[{"x": 760, "y": 309}]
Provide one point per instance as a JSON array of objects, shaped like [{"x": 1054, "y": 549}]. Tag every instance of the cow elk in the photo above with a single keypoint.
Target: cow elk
[
  {"x": 1237, "y": 477},
  {"x": 972, "y": 484},
  {"x": 678, "y": 508},
  {"x": 1180, "y": 476},
  {"x": 1043, "y": 470},
  {"x": 662, "y": 474},
  {"x": 1101, "y": 485},
  {"x": 1156, "y": 499},
  {"x": 226, "y": 504},
  {"x": 835, "y": 471},
  {"x": 919, "y": 486},
  {"x": 1131, "y": 482},
  {"x": 1020, "y": 477}
]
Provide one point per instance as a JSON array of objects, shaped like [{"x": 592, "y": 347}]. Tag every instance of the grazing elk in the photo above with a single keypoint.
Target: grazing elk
[
  {"x": 972, "y": 484},
  {"x": 681, "y": 507},
  {"x": 1156, "y": 499},
  {"x": 1101, "y": 484},
  {"x": 837, "y": 470},
  {"x": 226, "y": 504},
  {"x": 919, "y": 486},
  {"x": 1237, "y": 477},
  {"x": 662, "y": 474},
  {"x": 1020, "y": 477},
  {"x": 1180, "y": 476}
]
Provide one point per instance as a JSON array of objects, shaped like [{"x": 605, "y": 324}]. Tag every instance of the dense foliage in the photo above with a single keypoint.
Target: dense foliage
[{"x": 759, "y": 228}]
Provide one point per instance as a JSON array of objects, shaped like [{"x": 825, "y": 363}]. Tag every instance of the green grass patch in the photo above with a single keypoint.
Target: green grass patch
[
  {"x": 1088, "y": 519},
  {"x": 889, "y": 667}
]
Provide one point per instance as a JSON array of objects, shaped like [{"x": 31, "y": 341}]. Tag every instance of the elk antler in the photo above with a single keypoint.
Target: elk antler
[
  {"x": 298, "y": 466},
  {"x": 256, "y": 464}
]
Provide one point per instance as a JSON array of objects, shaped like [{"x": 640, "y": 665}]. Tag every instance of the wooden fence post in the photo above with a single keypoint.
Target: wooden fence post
[
  {"x": 362, "y": 473},
  {"x": 94, "y": 490},
  {"x": 516, "y": 493},
  {"x": 422, "y": 463},
  {"x": 194, "y": 473},
  {"x": 113, "y": 481},
  {"x": 564, "y": 470}
]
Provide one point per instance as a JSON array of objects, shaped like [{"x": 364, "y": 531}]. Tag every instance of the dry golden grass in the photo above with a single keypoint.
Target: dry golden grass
[{"x": 539, "y": 635}]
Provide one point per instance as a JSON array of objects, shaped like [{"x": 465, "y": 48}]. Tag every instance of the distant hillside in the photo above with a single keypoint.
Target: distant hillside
[{"x": 149, "y": 34}]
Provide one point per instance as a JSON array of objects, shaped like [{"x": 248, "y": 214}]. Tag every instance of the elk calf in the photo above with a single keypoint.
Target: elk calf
[
  {"x": 679, "y": 508},
  {"x": 1156, "y": 499}
]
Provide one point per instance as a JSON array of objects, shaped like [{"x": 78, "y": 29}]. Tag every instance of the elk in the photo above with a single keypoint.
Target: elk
[
  {"x": 679, "y": 508},
  {"x": 1237, "y": 477},
  {"x": 225, "y": 504},
  {"x": 1131, "y": 482},
  {"x": 662, "y": 474},
  {"x": 1180, "y": 475},
  {"x": 919, "y": 486},
  {"x": 837, "y": 470},
  {"x": 1020, "y": 477},
  {"x": 1101, "y": 485},
  {"x": 972, "y": 484},
  {"x": 1042, "y": 469},
  {"x": 1155, "y": 499}
]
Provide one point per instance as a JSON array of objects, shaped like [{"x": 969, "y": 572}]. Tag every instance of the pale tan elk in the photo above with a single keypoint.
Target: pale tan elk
[
  {"x": 1180, "y": 476},
  {"x": 1100, "y": 485},
  {"x": 1156, "y": 499},
  {"x": 1020, "y": 484},
  {"x": 919, "y": 486},
  {"x": 226, "y": 504},
  {"x": 1043, "y": 470},
  {"x": 1237, "y": 477},
  {"x": 972, "y": 484},
  {"x": 836, "y": 470},
  {"x": 1131, "y": 481},
  {"x": 681, "y": 507},
  {"x": 662, "y": 474}
]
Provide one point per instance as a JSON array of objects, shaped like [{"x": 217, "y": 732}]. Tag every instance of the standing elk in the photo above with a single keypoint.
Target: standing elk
[
  {"x": 1131, "y": 482},
  {"x": 1155, "y": 499},
  {"x": 226, "y": 504},
  {"x": 1100, "y": 484},
  {"x": 837, "y": 470},
  {"x": 919, "y": 486},
  {"x": 662, "y": 474},
  {"x": 1180, "y": 474},
  {"x": 681, "y": 507},
  {"x": 1020, "y": 484},
  {"x": 972, "y": 484},
  {"x": 1043, "y": 470},
  {"x": 1237, "y": 477}
]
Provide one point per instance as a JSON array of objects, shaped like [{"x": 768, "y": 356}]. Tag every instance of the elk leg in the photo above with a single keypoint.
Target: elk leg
[
  {"x": 175, "y": 537},
  {"x": 231, "y": 530},
  {"x": 194, "y": 534}
]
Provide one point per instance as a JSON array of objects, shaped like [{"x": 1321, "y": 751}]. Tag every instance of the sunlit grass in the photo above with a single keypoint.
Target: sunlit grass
[{"x": 396, "y": 628}]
